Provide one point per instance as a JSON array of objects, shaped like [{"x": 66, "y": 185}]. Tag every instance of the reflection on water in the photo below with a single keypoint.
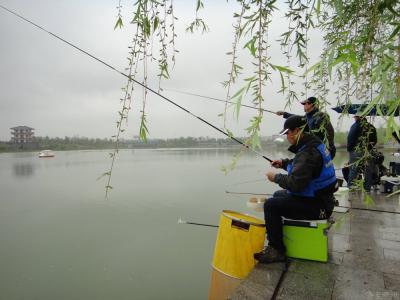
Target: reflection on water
[{"x": 23, "y": 169}]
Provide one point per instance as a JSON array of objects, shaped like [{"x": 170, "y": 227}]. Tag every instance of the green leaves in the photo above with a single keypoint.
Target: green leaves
[
  {"x": 255, "y": 140},
  {"x": 146, "y": 26},
  {"x": 237, "y": 97},
  {"x": 226, "y": 168},
  {"x": 199, "y": 5},
  {"x": 395, "y": 32},
  {"x": 338, "y": 4},
  {"x": 155, "y": 23},
  {"x": 163, "y": 66},
  {"x": 282, "y": 69},
  {"x": 143, "y": 128},
  {"x": 346, "y": 55},
  {"x": 197, "y": 24},
  {"x": 360, "y": 59},
  {"x": 253, "y": 131},
  {"x": 251, "y": 46},
  {"x": 317, "y": 7},
  {"x": 119, "y": 23}
]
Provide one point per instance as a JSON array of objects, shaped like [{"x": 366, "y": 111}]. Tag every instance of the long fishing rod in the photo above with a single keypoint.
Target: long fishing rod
[
  {"x": 137, "y": 82},
  {"x": 281, "y": 278},
  {"x": 180, "y": 221},
  {"x": 216, "y": 99},
  {"x": 245, "y": 193},
  {"x": 371, "y": 209}
]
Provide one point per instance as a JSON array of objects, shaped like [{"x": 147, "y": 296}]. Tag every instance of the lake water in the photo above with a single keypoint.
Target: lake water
[{"x": 61, "y": 239}]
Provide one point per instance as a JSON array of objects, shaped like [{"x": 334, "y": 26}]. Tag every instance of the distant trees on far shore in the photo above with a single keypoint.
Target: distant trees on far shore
[{"x": 84, "y": 143}]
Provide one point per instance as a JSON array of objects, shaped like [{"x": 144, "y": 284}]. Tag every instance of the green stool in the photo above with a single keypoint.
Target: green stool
[{"x": 306, "y": 239}]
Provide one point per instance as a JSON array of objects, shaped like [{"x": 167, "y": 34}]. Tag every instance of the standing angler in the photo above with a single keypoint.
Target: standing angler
[
  {"x": 318, "y": 122},
  {"x": 361, "y": 141},
  {"x": 307, "y": 188}
]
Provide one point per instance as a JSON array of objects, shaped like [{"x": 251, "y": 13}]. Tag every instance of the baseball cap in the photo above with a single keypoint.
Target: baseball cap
[
  {"x": 311, "y": 100},
  {"x": 294, "y": 122}
]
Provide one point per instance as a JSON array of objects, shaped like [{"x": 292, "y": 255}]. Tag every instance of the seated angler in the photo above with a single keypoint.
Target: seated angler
[
  {"x": 318, "y": 122},
  {"x": 308, "y": 187}
]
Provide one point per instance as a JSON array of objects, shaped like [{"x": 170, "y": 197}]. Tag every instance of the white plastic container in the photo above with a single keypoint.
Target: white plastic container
[
  {"x": 256, "y": 203},
  {"x": 394, "y": 157},
  {"x": 342, "y": 195}
]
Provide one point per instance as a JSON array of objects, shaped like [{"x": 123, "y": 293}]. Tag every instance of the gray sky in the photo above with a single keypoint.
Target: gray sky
[{"x": 53, "y": 88}]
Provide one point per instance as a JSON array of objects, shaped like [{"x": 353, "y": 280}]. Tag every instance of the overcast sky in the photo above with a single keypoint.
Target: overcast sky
[{"x": 48, "y": 85}]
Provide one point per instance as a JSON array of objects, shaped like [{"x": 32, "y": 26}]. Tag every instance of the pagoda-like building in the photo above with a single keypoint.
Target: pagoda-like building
[{"x": 22, "y": 136}]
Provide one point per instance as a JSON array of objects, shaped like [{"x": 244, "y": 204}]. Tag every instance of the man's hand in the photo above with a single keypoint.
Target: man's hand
[
  {"x": 280, "y": 113},
  {"x": 277, "y": 163},
  {"x": 271, "y": 176}
]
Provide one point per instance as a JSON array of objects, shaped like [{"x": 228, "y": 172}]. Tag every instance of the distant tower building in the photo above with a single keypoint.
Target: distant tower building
[{"x": 22, "y": 136}]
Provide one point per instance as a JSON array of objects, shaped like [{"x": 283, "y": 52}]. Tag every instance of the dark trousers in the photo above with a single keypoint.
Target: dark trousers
[
  {"x": 359, "y": 164},
  {"x": 285, "y": 205}
]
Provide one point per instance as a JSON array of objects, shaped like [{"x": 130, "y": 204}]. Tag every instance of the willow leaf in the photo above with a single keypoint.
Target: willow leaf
[{"x": 119, "y": 23}]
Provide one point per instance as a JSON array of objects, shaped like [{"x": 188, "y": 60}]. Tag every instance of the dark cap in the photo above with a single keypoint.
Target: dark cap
[
  {"x": 294, "y": 122},
  {"x": 311, "y": 100}
]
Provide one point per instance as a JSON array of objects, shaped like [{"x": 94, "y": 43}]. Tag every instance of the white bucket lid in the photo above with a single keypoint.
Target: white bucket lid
[{"x": 256, "y": 203}]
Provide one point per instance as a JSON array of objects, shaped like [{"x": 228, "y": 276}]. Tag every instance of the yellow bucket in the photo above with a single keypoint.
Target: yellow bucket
[{"x": 239, "y": 237}]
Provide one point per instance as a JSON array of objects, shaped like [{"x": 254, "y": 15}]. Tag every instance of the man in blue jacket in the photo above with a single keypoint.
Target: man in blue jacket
[
  {"x": 318, "y": 122},
  {"x": 361, "y": 140},
  {"x": 308, "y": 187}
]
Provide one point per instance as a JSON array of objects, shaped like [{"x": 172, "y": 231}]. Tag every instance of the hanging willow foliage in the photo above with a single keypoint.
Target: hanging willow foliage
[
  {"x": 360, "y": 58},
  {"x": 154, "y": 23},
  {"x": 362, "y": 52}
]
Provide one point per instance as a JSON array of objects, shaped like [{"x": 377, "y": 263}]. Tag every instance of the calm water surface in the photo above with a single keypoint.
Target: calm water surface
[{"x": 61, "y": 239}]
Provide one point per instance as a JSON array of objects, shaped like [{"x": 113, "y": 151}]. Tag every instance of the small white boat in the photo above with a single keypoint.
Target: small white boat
[{"x": 46, "y": 153}]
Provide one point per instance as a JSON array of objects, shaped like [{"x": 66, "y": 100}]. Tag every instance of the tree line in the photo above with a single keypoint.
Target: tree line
[{"x": 85, "y": 143}]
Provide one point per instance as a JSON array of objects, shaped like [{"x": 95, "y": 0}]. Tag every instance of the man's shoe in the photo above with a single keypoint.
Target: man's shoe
[{"x": 270, "y": 255}]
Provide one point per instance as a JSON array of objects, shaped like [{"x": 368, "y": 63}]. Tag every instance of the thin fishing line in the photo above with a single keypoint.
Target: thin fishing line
[
  {"x": 249, "y": 181},
  {"x": 137, "y": 82},
  {"x": 216, "y": 99}
]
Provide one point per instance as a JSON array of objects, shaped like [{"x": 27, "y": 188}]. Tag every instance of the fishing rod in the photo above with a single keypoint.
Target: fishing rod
[
  {"x": 216, "y": 99},
  {"x": 245, "y": 193},
  {"x": 180, "y": 221},
  {"x": 280, "y": 280},
  {"x": 135, "y": 81},
  {"x": 370, "y": 209}
]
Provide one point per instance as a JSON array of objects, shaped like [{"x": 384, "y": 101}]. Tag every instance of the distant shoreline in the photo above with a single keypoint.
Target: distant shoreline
[
  {"x": 83, "y": 143},
  {"x": 232, "y": 147}
]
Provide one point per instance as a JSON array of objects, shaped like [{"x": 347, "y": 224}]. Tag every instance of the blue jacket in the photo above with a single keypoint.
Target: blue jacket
[
  {"x": 326, "y": 178},
  {"x": 309, "y": 168}
]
